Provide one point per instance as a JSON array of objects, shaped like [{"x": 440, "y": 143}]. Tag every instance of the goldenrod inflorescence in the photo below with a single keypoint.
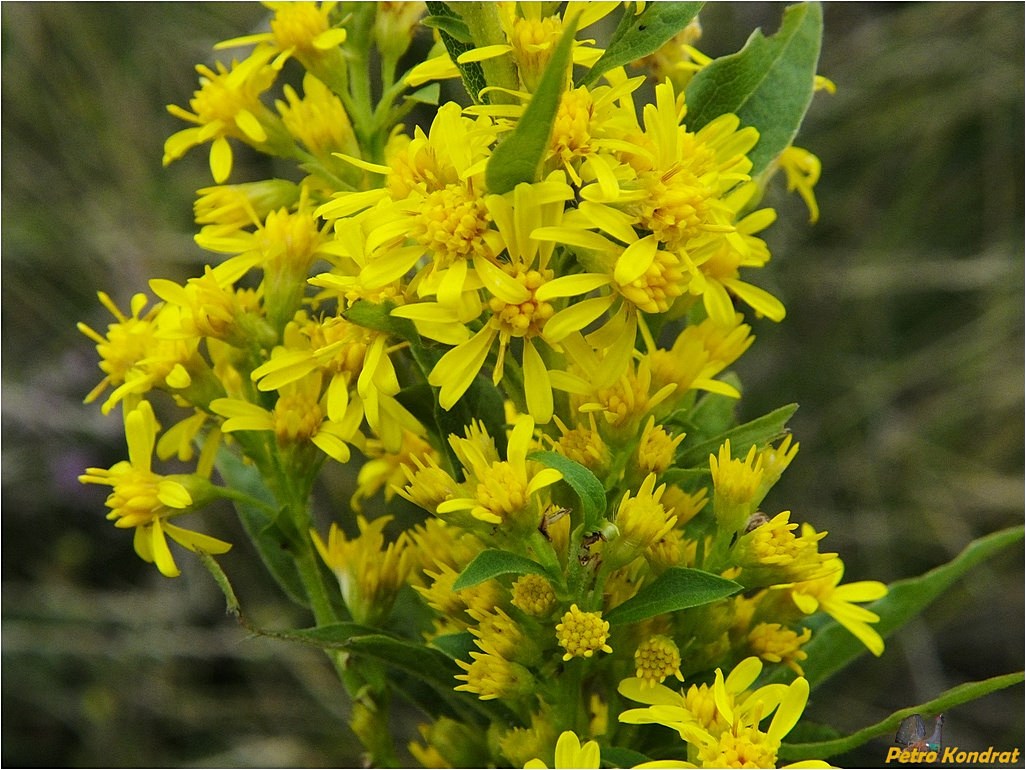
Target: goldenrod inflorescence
[{"x": 526, "y": 356}]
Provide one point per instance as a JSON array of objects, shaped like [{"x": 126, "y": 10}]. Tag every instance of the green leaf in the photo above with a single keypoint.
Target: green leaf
[
  {"x": 492, "y": 563},
  {"x": 473, "y": 75},
  {"x": 758, "y": 432},
  {"x": 639, "y": 35},
  {"x": 519, "y": 156},
  {"x": 334, "y": 636},
  {"x": 676, "y": 589},
  {"x": 426, "y": 94},
  {"x": 270, "y": 540},
  {"x": 963, "y": 693},
  {"x": 616, "y": 756},
  {"x": 457, "y": 646},
  {"x": 833, "y": 647},
  {"x": 713, "y": 413},
  {"x": 768, "y": 84},
  {"x": 453, "y": 26},
  {"x": 588, "y": 488}
]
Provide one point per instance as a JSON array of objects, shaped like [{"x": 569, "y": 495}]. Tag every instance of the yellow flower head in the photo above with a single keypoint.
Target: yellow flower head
[
  {"x": 369, "y": 573},
  {"x": 582, "y": 634},
  {"x": 656, "y": 658},
  {"x": 641, "y": 520},
  {"x": 145, "y": 500},
  {"x": 504, "y": 490},
  {"x": 771, "y": 553},
  {"x": 533, "y": 594},
  {"x": 491, "y": 676},
  {"x": 569, "y": 753},
  {"x": 839, "y": 601},
  {"x": 318, "y": 121},
  {"x": 226, "y": 105},
  {"x": 774, "y": 643},
  {"x": 139, "y": 353},
  {"x": 656, "y": 448}
]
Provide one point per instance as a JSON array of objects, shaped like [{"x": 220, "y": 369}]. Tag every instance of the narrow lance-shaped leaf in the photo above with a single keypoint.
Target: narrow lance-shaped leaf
[
  {"x": 271, "y": 542},
  {"x": 676, "y": 589},
  {"x": 758, "y": 432},
  {"x": 492, "y": 563},
  {"x": 638, "y": 35},
  {"x": 833, "y": 647},
  {"x": 456, "y": 38},
  {"x": 768, "y": 84},
  {"x": 588, "y": 488},
  {"x": 519, "y": 156}
]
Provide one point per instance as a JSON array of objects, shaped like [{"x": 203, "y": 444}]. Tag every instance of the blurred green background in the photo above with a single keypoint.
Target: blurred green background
[{"x": 903, "y": 345}]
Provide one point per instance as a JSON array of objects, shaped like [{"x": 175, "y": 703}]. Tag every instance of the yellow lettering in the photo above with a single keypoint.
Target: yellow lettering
[
  {"x": 949, "y": 755},
  {"x": 930, "y": 758},
  {"x": 893, "y": 753}
]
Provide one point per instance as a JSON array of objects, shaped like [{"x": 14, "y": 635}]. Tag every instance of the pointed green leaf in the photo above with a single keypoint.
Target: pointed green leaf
[
  {"x": 492, "y": 563},
  {"x": 457, "y": 646},
  {"x": 473, "y": 75},
  {"x": 758, "y": 432},
  {"x": 768, "y": 84},
  {"x": 833, "y": 647},
  {"x": 637, "y": 36},
  {"x": 588, "y": 488},
  {"x": 676, "y": 589},
  {"x": 271, "y": 542},
  {"x": 453, "y": 26},
  {"x": 617, "y": 756},
  {"x": 519, "y": 156},
  {"x": 956, "y": 696},
  {"x": 425, "y": 95}
]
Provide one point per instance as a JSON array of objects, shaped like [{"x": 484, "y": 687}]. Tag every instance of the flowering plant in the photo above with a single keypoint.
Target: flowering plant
[{"x": 517, "y": 319}]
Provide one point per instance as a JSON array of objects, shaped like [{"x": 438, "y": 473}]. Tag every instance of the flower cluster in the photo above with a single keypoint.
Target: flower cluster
[{"x": 525, "y": 353}]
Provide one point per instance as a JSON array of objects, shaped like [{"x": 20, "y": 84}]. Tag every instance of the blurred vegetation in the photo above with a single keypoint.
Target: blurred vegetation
[{"x": 903, "y": 346}]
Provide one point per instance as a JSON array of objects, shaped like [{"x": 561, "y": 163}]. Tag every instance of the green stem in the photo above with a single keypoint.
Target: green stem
[
  {"x": 956, "y": 696},
  {"x": 482, "y": 19}
]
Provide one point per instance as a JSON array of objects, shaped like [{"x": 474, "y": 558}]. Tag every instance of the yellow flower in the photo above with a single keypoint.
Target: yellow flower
[
  {"x": 226, "y": 105},
  {"x": 570, "y": 753},
  {"x": 319, "y": 122},
  {"x": 504, "y": 490},
  {"x": 299, "y": 416},
  {"x": 533, "y": 594},
  {"x": 145, "y": 500},
  {"x": 771, "y": 553},
  {"x": 491, "y": 676},
  {"x": 776, "y": 644},
  {"x": 369, "y": 573},
  {"x": 582, "y": 634},
  {"x": 839, "y": 602},
  {"x": 136, "y": 355},
  {"x": 802, "y": 170},
  {"x": 725, "y": 730},
  {"x": 301, "y": 29},
  {"x": 518, "y": 303},
  {"x": 209, "y": 306},
  {"x": 641, "y": 520},
  {"x": 656, "y": 658}
]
